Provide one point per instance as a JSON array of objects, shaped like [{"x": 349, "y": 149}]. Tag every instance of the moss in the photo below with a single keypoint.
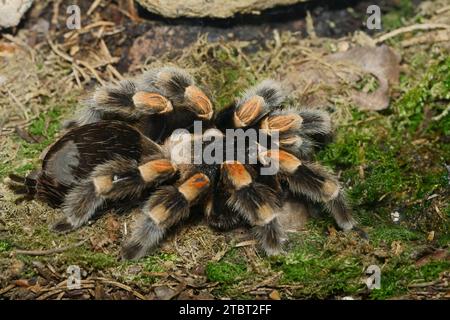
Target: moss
[
  {"x": 228, "y": 75},
  {"x": 45, "y": 128},
  {"x": 388, "y": 234},
  {"x": 394, "y": 19},
  {"x": 380, "y": 162},
  {"x": 434, "y": 87},
  {"x": 86, "y": 258},
  {"x": 395, "y": 278},
  {"x": 5, "y": 246},
  {"x": 225, "y": 272},
  {"x": 385, "y": 171},
  {"x": 322, "y": 276}
]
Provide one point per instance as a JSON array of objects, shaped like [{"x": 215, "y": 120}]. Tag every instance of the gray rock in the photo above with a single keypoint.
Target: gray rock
[
  {"x": 11, "y": 11},
  {"x": 210, "y": 8}
]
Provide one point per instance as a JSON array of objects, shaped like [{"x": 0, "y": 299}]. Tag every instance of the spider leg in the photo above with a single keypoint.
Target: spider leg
[
  {"x": 22, "y": 185},
  {"x": 218, "y": 215},
  {"x": 114, "y": 180},
  {"x": 300, "y": 132},
  {"x": 256, "y": 202},
  {"x": 168, "y": 206},
  {"x": 124, "y": 101},
  {"x": 315, "y": 122},
  {"x": 257, "y": 102},
  {"x": 180, "y": 88},
  {"x": 315, "y": 182}
]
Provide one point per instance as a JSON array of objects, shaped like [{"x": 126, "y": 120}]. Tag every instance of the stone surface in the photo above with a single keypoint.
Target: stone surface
[
  {"x": 210, "y": 8},
  {"x": 11, "y": 11}
]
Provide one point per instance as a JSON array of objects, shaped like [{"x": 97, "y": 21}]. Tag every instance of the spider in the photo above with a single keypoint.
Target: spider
[{"x": 119, "y": 152}]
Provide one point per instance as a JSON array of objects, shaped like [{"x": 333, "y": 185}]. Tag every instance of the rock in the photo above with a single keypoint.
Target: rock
[
  {"x": 210, "y": 8},
  {"x": 12, "y": 11}
]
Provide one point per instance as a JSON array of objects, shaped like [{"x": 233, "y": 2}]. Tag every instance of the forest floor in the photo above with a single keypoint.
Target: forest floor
[{"x": 394, "y": 163}]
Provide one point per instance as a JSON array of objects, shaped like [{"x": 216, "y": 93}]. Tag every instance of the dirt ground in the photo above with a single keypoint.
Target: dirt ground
[{"x": 393, "y": 162}]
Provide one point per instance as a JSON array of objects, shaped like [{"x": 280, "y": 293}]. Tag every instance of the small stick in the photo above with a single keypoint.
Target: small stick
[
  {"x": 55, "y": 15},
  {"x": 92, "y": 70},
  {"x": 443, "y": 9},
  {"x": 414, "y": 27},
  {"x": 424, "y": 284},
  {"x": 6, "y": 289},
  {"x": 442, "y": 115},
  {"x": 115, "y": 72},
  {"x": 49, "y": 251},
  {"x": 122, "y": 286},
  {"x": 93, "y": 6}
]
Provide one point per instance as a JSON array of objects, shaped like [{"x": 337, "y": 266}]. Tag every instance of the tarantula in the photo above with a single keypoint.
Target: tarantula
[{"x": 120, "y": 152}]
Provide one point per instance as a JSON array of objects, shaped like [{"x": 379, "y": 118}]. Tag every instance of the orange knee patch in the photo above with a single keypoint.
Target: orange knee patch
[
  {"x": 103, "y": 184},
  {"x": 194, "y": 186},
  {"x": 282, "y": 123},
  {"x": 330, "y": 189},
  {"x": 265, "y": 214},
  {"x": 287, "y": 162},
  {"x": 159, "y": 214},
  {"x": 237, "y": 174},
  {"x": 248, "y": 112},
  {"x": 153, "y": 101},
  {"x": 200, "y": 100},
  {"x": 291, "y": 140},
  {"x": 153, "y": 169}
]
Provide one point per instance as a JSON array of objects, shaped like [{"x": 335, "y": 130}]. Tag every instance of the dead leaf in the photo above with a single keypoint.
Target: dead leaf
[
  {"x": 275, "y": 295},
  {"x": 332, "y": 231},
  {"x": 381, "y": 62},
  {"x": 99, "y": 242},
  {"x": 190, "y": 294},
  {"x": 113, "y": 228},
  {"x": 381, "y": 253},
  {"x": 22, "y": 283},
  {"x": 396, "y": 248},
  {"x": 335, "y": 75},
  {"x": 16, "y": 268},
  {"x": 438, "y": 255},
  {"x": 164, "y": 293},
  {"x": 44, "y": 271},
  {"x": 430, "y": 236},
  {"x": 7, "y": 49},
  {"x": 167, "y": 293}
]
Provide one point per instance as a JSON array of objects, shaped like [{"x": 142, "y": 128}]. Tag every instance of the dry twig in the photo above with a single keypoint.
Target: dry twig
[
  {"x": 414, "y": 27},
  {"x": 49, "y": 251}
]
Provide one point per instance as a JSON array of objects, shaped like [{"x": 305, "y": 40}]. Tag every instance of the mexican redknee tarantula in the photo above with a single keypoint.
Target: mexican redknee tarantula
[{"x": 120, "y": 151}]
